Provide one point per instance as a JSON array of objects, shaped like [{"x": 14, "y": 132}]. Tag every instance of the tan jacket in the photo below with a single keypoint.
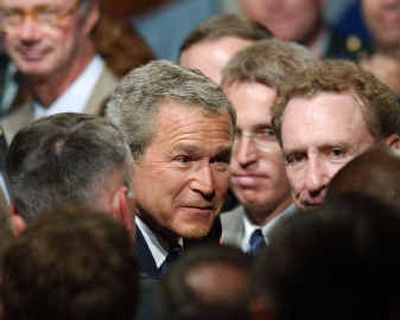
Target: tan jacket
[{"x": 23, "y": 115}]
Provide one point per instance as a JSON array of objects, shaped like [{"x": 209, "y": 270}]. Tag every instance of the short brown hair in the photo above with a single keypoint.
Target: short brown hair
[
  {"x": 225, "y": 25},
  {"x": 379, "y": 105},
  {"x": 269, "y": 62},
  {"x": 71, "y": 264}
]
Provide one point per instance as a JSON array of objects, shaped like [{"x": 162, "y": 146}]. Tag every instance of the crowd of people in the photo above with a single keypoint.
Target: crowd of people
[{"x": 254, "y": 179}]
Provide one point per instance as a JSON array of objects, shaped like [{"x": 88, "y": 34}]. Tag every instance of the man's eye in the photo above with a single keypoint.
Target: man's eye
[
  {"x": 295, "y": 158},
  {"x": 337, "y": 152},
  {"x": 265, "y": 134},
  {"x": 224, "y": 158},
  {"x": 268, "y": 132},
  {"x": 47, "y": 14},
  {"x": 183, "y": 159},
  {"x": 11, "y": 14}
]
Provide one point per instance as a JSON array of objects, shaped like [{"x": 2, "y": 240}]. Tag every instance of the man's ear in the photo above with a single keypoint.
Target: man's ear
[
  {"x": 18, "y": 224},
  {"x": 393, "y": 141},
  {"x": 122, "y": 209},
  {"x": 92, "y": 17}
]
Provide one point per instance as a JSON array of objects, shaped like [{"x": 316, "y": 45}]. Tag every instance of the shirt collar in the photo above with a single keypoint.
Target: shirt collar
[
  {"x": 158, "y": 251},
  {"x": 250, "y": 227},
  {"x": 75, "y": 98}
]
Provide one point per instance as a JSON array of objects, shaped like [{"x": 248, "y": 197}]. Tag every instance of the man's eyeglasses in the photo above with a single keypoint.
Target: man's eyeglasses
[
  {"x": 263, "y": 139},
  {"x": 49, "y": 16}
]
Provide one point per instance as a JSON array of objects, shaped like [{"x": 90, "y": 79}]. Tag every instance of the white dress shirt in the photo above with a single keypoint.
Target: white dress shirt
[
  {"x": 250, "y": 227},
  {"x": 158, "y": 251},
  {"x": 75, "y": 98}
]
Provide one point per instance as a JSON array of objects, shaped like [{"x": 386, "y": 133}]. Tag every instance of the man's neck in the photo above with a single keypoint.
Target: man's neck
[
  {"x": 47, "y": 89},
  {"x": 164, "y": 236},
  {"x": 313, "y": 39},
  {"x": 262, "y": 215}
]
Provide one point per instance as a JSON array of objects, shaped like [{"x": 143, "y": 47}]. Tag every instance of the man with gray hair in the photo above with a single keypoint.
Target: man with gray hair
[
  {"x": 49, "y": 41},
  {"x": 251, "y": 81},
  {"x": 70, "y": 158},
  {"x": 179, "y": 126}
]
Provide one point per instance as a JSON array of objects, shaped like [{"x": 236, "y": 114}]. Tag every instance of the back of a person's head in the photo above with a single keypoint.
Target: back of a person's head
[
  {"x": 209, "y": 282},
  {"x": 375, "y": 172},
  {"x": 225, "y": 25},
  {"x": 339, "y": 261},
  {"x": 64, "y": 159},
  {"x": 71, "y": 264}
]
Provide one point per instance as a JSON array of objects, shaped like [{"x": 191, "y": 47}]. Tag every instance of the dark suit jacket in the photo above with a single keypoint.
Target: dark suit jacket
[
  {"x": 147, "y": 265},
  {"x": 347, "y": 47},
  {"x": 3, "y": 152},
  {"x": 151, "y": 303}
]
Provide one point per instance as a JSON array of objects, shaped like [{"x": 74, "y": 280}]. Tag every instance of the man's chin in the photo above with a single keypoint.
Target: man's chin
[
  {"x": 195, "y": 232},
  {"x": 306, "y": 205},
  {"x": 34, "y": 69}
]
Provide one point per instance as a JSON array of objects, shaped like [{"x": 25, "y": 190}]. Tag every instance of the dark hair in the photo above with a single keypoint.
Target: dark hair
[
  {"x": 65, "y": 158},
  {"x": 71, "y": 264},
  {"x": 225, "y": 25},
  {"x": 187, "y": 300},
  {"x": 375, "y": 172},
  {"x": 341, "y": 260}
]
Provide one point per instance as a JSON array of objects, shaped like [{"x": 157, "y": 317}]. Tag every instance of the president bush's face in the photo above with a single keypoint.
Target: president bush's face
[{"x": 182, "y": 177}]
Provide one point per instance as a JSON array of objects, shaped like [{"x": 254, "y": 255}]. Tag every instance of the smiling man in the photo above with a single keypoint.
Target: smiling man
[
  {"x": 179, "y": 126},
  {"x": 330, "y": 114},
  {"x": 50, "y": 43}
]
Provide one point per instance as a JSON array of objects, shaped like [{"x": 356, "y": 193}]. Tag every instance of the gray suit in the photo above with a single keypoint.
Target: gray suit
[
  {"x": 233, "y": 224},
  {"x": 23, "y": 115}
]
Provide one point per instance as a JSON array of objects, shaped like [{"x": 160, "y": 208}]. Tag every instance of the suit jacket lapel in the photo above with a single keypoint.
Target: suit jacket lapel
[{"x": 147, "y": 264}]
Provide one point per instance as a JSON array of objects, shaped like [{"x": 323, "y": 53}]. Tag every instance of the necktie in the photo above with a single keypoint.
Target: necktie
[
  {"x": 256, "y": 242},
  {"x": 174, "y": 252}
]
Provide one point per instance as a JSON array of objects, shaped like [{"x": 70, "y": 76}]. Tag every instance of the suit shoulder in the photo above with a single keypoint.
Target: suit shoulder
[{"x": 16, "y": 120}]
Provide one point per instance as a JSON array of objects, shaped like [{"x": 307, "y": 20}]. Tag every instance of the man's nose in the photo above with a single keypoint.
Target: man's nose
[
  {"x": 316, "y": 178},
  {"x": 29, "y": 30},
  {"x": 245, "y": 151},
  {"x": 203, "y": 181}
]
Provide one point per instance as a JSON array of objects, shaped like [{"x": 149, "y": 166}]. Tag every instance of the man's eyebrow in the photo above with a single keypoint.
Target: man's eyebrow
[
  {"x": 224, "y": 151},
  {"x": 293, "y": 150},
  {"x": 186, "y": 148},
  {"x": 192, "y": 149},
  {"x": 262, "y": 126}
]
